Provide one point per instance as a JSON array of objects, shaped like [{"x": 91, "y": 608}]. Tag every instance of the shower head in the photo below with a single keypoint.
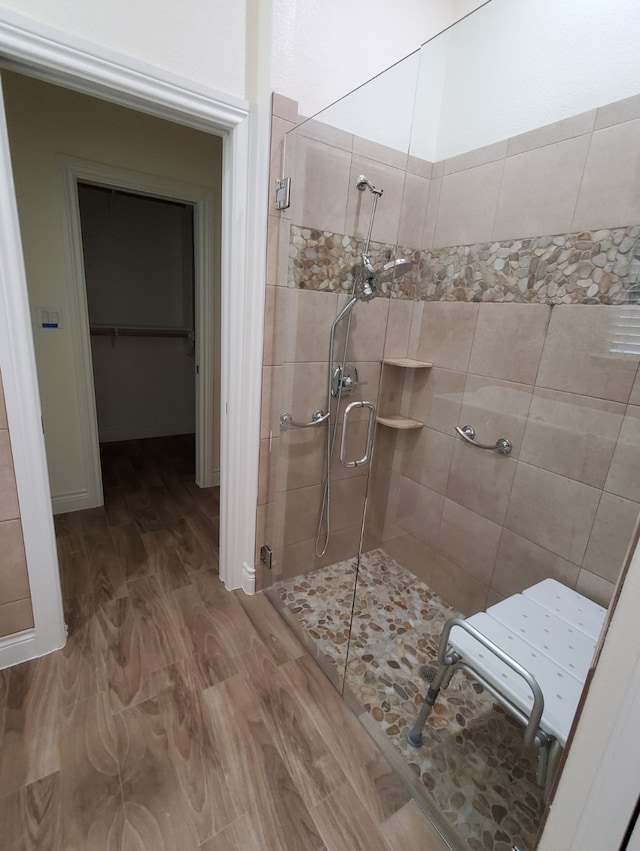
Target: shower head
[
  {"x": 394, "y": 269},
  {"x": 362, "y": 183}
]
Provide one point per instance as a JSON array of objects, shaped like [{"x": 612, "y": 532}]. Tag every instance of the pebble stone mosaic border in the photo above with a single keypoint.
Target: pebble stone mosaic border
[
  {"x": 591, "y": 267},
  {"x": 473, "y": 764}
]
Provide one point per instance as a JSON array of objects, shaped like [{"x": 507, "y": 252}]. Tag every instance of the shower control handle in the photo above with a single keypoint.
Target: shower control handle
[{"x": 370, "y": 430}]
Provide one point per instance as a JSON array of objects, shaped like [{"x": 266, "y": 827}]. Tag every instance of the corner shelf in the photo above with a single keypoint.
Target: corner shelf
[
  {"x": 398, "y": 422},
  {"x": 395, "y": 420},
  {"x": 407, "y": 363}
]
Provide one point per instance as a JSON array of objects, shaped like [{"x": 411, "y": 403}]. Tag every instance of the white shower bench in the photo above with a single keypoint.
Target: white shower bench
[{"x": 532, "y": 652}]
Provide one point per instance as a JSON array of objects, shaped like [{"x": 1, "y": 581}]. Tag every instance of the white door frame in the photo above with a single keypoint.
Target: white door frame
[
  {"x": 207, "y": 385},
  {"x": 34, "y": 49}
]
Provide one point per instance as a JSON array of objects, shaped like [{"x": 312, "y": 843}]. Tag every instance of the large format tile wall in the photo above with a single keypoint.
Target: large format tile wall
[
  {"x": 15, "y": 596},
  {"x": 477, "y": 526}
]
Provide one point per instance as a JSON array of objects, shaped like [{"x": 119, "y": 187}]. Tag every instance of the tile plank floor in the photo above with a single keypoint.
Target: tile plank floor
[{"x": 181, "y": 716}]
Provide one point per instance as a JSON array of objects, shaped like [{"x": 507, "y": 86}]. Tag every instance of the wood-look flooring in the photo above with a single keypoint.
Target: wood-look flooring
[{"x": 181, "y": 716}]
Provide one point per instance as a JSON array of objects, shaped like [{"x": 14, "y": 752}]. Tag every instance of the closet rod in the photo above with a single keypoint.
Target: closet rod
[{"x": 113, "y": 331}]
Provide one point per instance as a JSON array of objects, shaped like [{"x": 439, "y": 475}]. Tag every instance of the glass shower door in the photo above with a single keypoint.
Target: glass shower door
[{"x": 336, "y": 272}]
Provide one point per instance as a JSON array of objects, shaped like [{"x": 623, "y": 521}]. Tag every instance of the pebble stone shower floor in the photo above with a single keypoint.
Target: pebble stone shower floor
[{"x": 474, "y": 767}]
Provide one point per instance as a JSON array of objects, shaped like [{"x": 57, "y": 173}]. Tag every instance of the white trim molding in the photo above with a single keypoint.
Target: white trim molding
[
  {"x": 203, "y": 200},
  {"x": 57, "y": 57}
]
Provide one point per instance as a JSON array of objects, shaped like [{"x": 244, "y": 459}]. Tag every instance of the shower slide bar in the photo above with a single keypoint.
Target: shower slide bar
[
  {"x": 503, "y": 445},
  {"x": 318, "y": 417}
]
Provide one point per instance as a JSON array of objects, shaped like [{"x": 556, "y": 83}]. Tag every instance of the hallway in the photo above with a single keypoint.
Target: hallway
[{"x": 179, "y": 716}]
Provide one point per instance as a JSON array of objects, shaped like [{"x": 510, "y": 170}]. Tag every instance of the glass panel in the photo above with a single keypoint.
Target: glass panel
[
  {"x": 340, "y": 238},
  {"x": 517, "y": 319}
]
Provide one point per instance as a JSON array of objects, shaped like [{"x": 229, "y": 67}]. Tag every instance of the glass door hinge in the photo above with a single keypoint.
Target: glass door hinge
[
  {"x": 265, "y": 556},
  {"x": 283, "y": 193}
]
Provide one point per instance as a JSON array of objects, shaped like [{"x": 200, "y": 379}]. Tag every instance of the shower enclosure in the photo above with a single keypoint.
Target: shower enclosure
[{"x": 464, "y": 275}]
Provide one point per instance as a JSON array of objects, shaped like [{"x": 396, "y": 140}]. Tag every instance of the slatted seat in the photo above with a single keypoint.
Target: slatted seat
[{"x": 532, "y": 652}]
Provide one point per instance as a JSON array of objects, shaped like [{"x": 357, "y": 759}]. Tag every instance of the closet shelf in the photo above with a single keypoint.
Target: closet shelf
[
  {"x": 128, "y": 331},
  {"x": 407, "y": 363},
  {"x": 398, "y": 422}
]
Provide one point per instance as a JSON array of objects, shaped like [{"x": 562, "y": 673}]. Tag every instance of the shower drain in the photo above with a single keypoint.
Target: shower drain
[{"x": 428, "y": 672}]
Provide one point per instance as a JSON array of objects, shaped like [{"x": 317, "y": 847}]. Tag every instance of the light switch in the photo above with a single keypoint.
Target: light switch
[{"x": 49, "y": 317}]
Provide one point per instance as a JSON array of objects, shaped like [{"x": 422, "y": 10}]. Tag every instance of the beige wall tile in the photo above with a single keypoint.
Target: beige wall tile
[
  {"x": 268, "y": 349},
  {"x": 368, "y": 326},
  {"x": 610, "y": 537},
  {"x": 446, "y": 335},
  {"x": 277, "y": 250},
  {"x": 549, "y": 134},
  {"x": 573, "y": 436},
  {"x": 521, "y": 563},
  {"x": 15, "y": 617},
  {"x": 465, "y": 593},
  {"x": 539, "y": 190},
  {"x": 508, "y": 341},
  {"x": 414, "y": 211},
  {"x": 3, "y": 410},
  {"x": 577, "y": 355},
  {"x": 359, "y": 204},
  {"x": 610, "y": 191},
  {"x": 300, "y": 517},
  {"x": 277, "y": 164},
  {"x": 481, "y": 481},
  {"x": 467, "y": 207},
  {"x": 634, "y": 399},
  {"x": 269, "y": 414},
  {"x": 595, "y": 588},
  {"x": 14, "y": 581},
  {"x": 304, "y": 390},
  {"x": 8, "y": 495},
  {"x": 320, "y": 131},
  {"x": 396, "y": 344},
  {"x": 416, "y": 327},
  {"x": 427, "y": 457},
  {"x": 476, "y": 157},
  {"x": 412, "y": 554},
  {"x": 615, "y": 113},
  {"x": 419, "y": 511},
  {"x": 431, "y": 218},
  {"x": 307, "y": 317},
  {"x": 496, "y": 409},
  {"x": 301, "y": 457},
  {"x": 624, "y": 478},
  {"x": 380, "y": 153},
  {"x": 552, "y": 511},
  {"x": 437, "y": 398},
  {"x": 320, "y": 185},
  {"x": 419, "y": 167},
  {"x": 469, "y": 540},
  {"x": 267, "y": 470},
  {"x": 300, "y": 558},
  {"x": 284, "y": 107}
]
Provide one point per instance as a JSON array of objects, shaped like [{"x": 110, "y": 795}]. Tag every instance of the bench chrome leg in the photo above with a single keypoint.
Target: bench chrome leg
[{"x": 442, "y": 680}]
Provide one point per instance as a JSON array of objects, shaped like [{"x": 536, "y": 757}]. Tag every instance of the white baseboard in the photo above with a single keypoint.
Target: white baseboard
[
  {"x": 248, "y": 579},
  {"x": 63, "y": 503},
  {"x": 17, "y": 648}
]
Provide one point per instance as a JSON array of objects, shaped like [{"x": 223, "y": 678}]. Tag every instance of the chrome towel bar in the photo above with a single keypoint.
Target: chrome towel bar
[{"x": 468, "y": 433}]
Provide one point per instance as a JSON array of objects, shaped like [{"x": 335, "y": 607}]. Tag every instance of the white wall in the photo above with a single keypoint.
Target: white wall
[
  {"x": 520, "y": 64},
  {"x": 322, "y": 50},
  {"x": 46, "y": 123},
  {"x": 197, "y": 39}
]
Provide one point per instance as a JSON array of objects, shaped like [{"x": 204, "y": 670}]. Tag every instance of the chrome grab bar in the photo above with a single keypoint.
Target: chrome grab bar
[
  {"x": 287, "y": 421},
  {"x": 468, "y": 433},
  {"x": 370, "y": 430}
]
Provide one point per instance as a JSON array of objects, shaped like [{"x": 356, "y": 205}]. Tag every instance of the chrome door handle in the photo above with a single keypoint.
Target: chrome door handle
[
  {"x": 287, "y": 421},
  {"x": 370, "y": 429}
]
